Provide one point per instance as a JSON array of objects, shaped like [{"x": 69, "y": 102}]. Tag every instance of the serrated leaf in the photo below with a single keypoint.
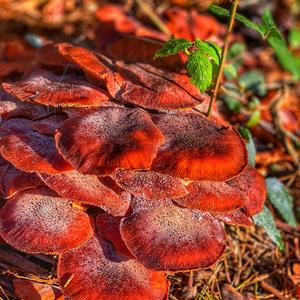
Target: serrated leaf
[
  {"x": 281, "y": 199},
  {"x": 172, "y": 47},
  {"x": 254, "y": 119},
  {"x": 265, "y": 219},
  {"x": 251, "y": 149},
  {"x": 210, "y": 49},
  {"x": 200, "y": 70}
]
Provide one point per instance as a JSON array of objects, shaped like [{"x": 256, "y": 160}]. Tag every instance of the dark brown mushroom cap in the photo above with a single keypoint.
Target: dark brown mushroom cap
[
  {"x": 108, "y": 228},
  {"x": 134, "y": 49},
  {"x": 163, "y": 236},
  {"x": 253, "y": 188},
  {"x": 39, "y": 153},
  {"x": 48, "y": 125},
  {"x": 38, "y": 221},
  {"x": 150, "y": 185},
  {"x": 198, "y": 149},
  {"x": 112, "y": 138},
  {"x": 86, "y": 189},
  {"x": 151, "y": 88},
  {"x": 97, "y": 272},
  {"x": 48, "y": 88}
]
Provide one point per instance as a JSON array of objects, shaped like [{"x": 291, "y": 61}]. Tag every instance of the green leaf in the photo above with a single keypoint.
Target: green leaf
[
  {"x": 254, "y": 119},
  {"x": 294, "y": 38},
  {"x": 266, "y": 220},
  {"x": 222, "y": 12},
  {"x": 232, "y": 103},
  {"x": 275, "y": 39},
  {"x": 254, "y": 81},
  {"x": 251, "y": 150},
  {"x": 281, "y": 199},
  {"x": 172, "y": 47},
  {"x": 200, "y": 70},
  {"x": 210, "y": 49},
  {"x": 230, "y": 72},
  {"x": 269, "y": 31}
]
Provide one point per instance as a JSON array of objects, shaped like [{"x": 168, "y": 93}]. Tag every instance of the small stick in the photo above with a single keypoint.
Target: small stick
[
  {"x": 272, "y": 290},
  {"x": 223, "y": 57},
  {"x": 154, "y": 17}
]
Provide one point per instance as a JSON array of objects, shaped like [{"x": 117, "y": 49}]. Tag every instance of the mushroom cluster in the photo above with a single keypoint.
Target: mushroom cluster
[{"x": 111, "y": 166}]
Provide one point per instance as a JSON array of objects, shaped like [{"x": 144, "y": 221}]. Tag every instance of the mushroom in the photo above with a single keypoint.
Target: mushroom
[
  {"x": 48, "y": 88},
  {"x": 113, "y": 138},
  {"x": 38, "y": 221},
  {"x": 39, "y": 153},
  {"x": 96, "y": 271}
]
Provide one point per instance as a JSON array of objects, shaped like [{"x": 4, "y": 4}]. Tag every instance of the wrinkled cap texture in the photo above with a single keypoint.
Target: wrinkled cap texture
[{"x": 106, "y": 163}]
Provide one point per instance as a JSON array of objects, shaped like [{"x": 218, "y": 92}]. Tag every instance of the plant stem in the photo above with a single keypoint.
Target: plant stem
[
  {"x": 223, "y": 57},
  {"x": 153, "y": 17}
]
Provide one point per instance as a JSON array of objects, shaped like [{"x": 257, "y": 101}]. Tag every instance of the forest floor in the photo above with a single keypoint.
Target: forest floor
[{"x": 252, "y": 266}]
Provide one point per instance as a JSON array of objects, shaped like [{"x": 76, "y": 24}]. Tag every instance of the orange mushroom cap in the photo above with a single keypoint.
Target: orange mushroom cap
[
  {"x": 48, "y": 88},
  {"x": 30, "y": 290},
  {"x": 37, "y": 221},
  {"x": 39, "y": 153},
  {"x": 86, "y": 189},
  {"x": 96, "y": 271},
  {"x": 150, "y": 185},
  {"x": 163, "y": 236},
  {"x": 112, "y": 138},
  {"x": 198, "y": 149}
]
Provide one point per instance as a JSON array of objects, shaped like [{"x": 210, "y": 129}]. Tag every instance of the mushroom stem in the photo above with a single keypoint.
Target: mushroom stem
[{"x": 223, "y": 57}]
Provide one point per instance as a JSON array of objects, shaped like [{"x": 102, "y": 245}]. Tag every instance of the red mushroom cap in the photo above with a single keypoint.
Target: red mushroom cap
[
  {"x": 150, "y": 87},
  {"x": 150, "y": 185},
  {"x": 253, "y": 188},
  {"x": 86, "y": 189},
  {"x": 108, "y": 228},
  {"x": 37, "y": 221},
  {"x": 112, "y": 138},
  {"x": 48, "y": 125},
  {"x": 211, "y": 196},
  {"x": 95, "y": 271},
  {"x": 163, "y": 236},
  {"x": 11, "y": 107},
  {"x": 39, "y": 153},
  {"x": 13, "y": 180},
  {"x": 48, "y": 88},
  {"x": 198, "y": 149},
  {"x": 238, "y": 217},
  {"x": 85, "y": 60}
]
